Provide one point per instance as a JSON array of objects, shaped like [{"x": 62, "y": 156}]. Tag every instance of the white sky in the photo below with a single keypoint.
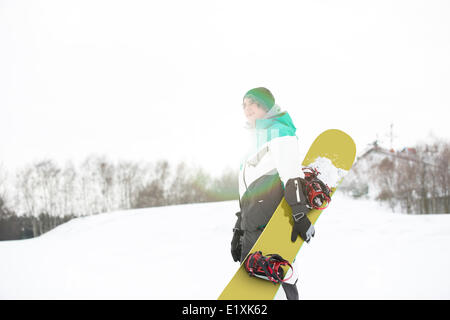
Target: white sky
[{"x": 146, "y": 80}]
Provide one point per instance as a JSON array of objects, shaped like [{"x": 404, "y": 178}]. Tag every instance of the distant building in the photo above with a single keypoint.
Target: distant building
[
  {"x": 414, "y": 181},
  {"x": 361, "y": 180}
]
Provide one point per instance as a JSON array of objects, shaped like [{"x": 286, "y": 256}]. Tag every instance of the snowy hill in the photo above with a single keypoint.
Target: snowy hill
[{"x": 360, "y": 251}]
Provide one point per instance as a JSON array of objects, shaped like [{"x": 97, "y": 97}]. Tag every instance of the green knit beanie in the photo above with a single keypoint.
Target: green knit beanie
[{"x": 263, "y": 96}]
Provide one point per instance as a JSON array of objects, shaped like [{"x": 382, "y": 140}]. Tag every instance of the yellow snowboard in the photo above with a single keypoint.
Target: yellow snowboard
[{"x": 332, "y": 153}]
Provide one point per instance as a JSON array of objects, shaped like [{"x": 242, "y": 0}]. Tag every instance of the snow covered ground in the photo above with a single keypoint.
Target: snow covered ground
[{"x": 360, "y": 251}]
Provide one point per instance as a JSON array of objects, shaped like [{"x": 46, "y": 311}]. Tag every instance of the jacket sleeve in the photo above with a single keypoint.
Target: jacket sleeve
[{"x": 285, "y": 153}]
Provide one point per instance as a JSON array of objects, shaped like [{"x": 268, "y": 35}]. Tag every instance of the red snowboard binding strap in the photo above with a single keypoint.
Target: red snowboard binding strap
[
  {"x": 268, "y": 268},
  {"x": 316, "y": 191}
]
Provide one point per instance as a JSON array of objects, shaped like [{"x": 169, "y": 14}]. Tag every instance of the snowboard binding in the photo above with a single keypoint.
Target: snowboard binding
[
  {"x": 267, "y": 267},
  {"x": 316, "y": 191}
]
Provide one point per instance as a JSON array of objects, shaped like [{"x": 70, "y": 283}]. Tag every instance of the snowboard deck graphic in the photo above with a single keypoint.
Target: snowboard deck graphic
[{"x": 332, "y": 153}]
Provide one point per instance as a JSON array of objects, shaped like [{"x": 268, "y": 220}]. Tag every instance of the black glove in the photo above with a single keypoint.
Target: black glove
[
  {"x": 296, "y": 198},
  {"x": 236, "y": 246},
  {"x": 302, "y": 224}
]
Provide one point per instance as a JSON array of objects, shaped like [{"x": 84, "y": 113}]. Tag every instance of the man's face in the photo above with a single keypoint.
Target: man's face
[{"x": 252, "y": 111}]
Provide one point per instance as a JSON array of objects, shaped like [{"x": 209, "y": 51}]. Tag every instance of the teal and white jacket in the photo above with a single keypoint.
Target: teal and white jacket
[{"x": 274, "y": 149}]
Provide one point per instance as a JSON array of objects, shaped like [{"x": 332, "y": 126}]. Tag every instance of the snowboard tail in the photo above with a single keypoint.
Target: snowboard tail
[{"x": 332, "y": 153}]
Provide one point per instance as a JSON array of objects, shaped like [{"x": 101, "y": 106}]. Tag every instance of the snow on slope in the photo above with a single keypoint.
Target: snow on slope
[{"x": 360, "y": 251}]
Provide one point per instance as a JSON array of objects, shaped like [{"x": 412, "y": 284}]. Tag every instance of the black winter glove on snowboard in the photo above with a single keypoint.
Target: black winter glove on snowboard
[
  {"x": 236, "y": 247},
  {"x": 296, "y": 198},
  {"x": 302, "y": 224}
]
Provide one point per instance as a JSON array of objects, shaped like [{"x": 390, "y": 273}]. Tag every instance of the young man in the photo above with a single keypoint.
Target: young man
[{"x": 269, "y": 171}]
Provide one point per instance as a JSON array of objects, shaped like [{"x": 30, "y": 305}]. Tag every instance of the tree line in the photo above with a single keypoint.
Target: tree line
[{"x": 42, "y": 195}]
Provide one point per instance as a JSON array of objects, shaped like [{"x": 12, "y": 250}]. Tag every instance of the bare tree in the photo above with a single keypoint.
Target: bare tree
[
  {"x": 91, "y": 185},
  {"x": 68, "y": 190},
  {"x": 129, "y": 179},
  {"x": 384, "y": 176},
  {"x": 154, "y": 192},
  {"x": 25, "y": 185},
  {"x": 3, "y": 195},
  {"x": 199, "y": 185},
  {"x": 226, "y": 186},
  {"x": 178, "y": 192},
  {"x": 442, "y": 173},
  {"x": 25, "y": 201},
  {"x": 405, "y": 184},
  {"x": 106, "y": 174},
  {"x": 3, "y": 183},
  {"x": 47, "y": 175}
]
